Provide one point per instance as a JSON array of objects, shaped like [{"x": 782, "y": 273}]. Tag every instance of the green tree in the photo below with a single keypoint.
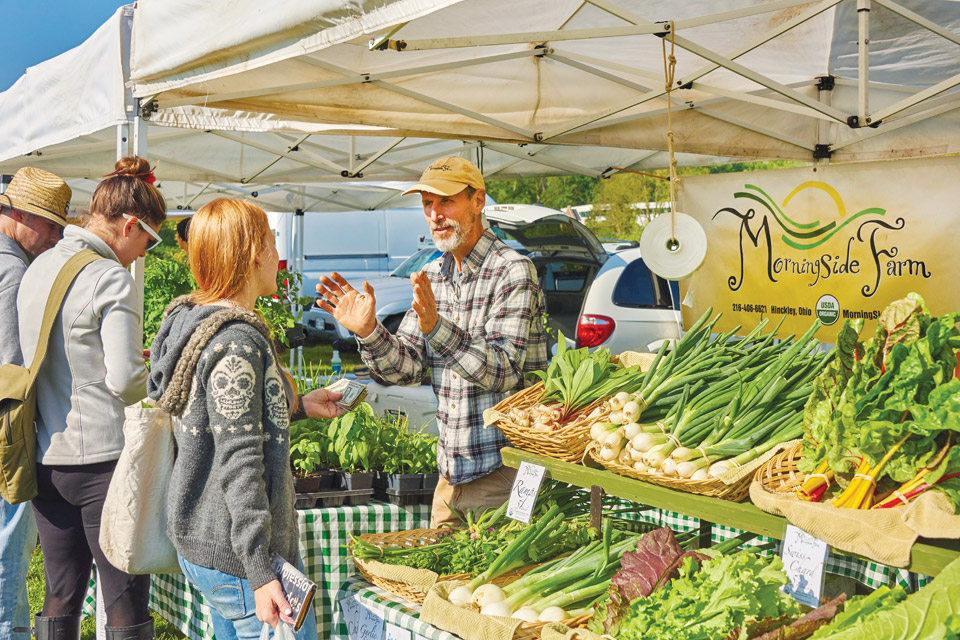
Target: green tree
[{"x": 556, "y": 192}]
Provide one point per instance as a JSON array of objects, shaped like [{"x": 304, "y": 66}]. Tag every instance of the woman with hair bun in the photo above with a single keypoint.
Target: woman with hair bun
[
  {"x": 230, "y": 505},
  {"x": 93, "y": 369}
]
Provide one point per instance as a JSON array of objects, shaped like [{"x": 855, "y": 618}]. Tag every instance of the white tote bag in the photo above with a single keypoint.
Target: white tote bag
[{"x": 133, "y": 527}]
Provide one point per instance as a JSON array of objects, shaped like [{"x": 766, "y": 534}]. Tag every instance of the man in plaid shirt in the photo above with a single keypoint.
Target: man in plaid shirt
[{"x": 476, "y": 323}]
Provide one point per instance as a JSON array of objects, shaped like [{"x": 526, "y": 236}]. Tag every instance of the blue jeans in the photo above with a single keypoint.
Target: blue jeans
[
  {"x": 18, "y": 539},
  {"x": 232, "y": 604}
]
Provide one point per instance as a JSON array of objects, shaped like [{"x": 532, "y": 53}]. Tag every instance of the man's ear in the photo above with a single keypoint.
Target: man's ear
[{"x": 17, "y": 215}]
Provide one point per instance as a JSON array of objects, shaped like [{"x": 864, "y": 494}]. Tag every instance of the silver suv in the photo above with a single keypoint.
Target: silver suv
[{"x": 628, "y": 308}]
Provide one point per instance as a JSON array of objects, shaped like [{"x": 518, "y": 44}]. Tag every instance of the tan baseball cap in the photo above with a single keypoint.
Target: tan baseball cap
[
  {"x": 38, "y": 192},
  {"x": 449, "y": 176}
]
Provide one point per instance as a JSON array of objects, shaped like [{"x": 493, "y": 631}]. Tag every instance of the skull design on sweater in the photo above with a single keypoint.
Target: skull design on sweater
[{"x": 232, "y": 386}]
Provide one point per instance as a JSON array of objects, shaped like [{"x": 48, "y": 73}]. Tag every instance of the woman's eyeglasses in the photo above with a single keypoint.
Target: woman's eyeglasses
[{"x": 143, "y": 225}]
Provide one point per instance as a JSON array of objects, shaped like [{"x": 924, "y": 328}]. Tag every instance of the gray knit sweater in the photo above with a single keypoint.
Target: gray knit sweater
[{"x": 231, "y": 499}]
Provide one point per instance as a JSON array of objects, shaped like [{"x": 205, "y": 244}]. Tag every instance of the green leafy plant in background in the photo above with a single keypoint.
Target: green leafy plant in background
[
  {"x": 310, "y": 446},
  {"x": 403, "y": 450},
  {"x": 277, "y": 309},
  {"x": 163, "y": 280}
]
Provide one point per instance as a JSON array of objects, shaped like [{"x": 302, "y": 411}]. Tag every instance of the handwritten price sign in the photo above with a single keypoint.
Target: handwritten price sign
[
  {"x": 362, "y": 624},
  {"x": 803, "y": 557},
  {"x": 523, "y": 495}
]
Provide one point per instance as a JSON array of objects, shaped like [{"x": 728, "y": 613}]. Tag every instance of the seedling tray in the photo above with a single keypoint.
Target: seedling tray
[
  {"x": 324, "y": 499},
  {"x": 404, "y": 498}
]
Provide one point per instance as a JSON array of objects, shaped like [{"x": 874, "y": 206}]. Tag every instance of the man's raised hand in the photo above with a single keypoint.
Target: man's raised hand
[
  {"x": 424, "y": 302},
  {"x": 356, "y": 311}
]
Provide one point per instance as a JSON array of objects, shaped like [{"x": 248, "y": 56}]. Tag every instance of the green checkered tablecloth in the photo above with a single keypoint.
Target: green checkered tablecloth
[
  {"x": 323, "y": 547},
  {"x": 393, "y": 610}
]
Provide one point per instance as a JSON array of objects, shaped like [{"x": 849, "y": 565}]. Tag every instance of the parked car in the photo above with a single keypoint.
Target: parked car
[
  {"x": 628, "y": 308},
  {"x": 567, "y": 256}
]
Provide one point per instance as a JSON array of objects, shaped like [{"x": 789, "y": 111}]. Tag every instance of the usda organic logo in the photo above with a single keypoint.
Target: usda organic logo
[{"x": 827, "y": 309}]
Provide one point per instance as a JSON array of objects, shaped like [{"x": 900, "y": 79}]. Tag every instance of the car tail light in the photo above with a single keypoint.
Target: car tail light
[
  {"x": 593, "y": 330},
  {"x": 282, "y": 265}
]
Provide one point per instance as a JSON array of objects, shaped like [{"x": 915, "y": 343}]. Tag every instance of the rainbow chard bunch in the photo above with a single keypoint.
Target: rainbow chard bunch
[{"x": 892, "y": 419}]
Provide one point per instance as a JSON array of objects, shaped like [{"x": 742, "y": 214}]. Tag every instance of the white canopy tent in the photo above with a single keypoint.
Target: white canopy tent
[
  {"x": 74, "y": 115},
  {"x": 848, "y": 80}
]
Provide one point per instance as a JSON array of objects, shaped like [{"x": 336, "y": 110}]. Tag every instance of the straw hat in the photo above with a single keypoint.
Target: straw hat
[{"x": 38, "y": 192}]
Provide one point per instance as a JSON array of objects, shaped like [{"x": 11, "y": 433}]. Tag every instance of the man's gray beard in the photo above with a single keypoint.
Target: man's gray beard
[{"x": 453, "y": 242}]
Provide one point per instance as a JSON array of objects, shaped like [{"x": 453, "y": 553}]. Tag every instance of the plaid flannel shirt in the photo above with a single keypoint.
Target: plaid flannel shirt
[{"x": 488, "y": 337}]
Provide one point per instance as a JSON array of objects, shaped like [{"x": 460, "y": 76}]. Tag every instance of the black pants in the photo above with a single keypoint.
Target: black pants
[{"x": 68, "y": 509}]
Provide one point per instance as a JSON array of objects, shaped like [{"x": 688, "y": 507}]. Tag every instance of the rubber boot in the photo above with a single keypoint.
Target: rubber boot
[
  {"x": 142, "y": 631},
  {"x": 57, "y": 628}
]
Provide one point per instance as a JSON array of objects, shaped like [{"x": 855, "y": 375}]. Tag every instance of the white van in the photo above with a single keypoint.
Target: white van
[{"x": 359, "y": 245}]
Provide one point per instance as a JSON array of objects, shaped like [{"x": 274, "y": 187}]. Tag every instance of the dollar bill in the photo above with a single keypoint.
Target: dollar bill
[{"x": 353, "y": 393}]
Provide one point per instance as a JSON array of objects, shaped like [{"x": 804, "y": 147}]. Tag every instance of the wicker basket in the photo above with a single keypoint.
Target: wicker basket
[
  {"x": 567, "y": 442},
  {"x": 410, "y": 539},
  {"x": 714, "y": 488},
  {"x": 780, "y": 474},
  {"x": 532, "y": 630}
]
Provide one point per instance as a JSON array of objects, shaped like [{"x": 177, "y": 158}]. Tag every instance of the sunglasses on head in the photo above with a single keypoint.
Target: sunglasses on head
[{"x": 143, "y": 225}]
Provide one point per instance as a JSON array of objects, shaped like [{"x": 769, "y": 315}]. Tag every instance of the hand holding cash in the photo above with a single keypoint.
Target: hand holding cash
[{"x": 353, "y": 393}]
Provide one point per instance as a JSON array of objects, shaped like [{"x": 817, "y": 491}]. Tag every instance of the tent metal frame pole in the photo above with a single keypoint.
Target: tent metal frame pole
[
  {"x": 369, "y": 79},
  {"x": 917, "y": 19},
  {"x": 353, "y": 155},
  {"x": 759, "y": 78},
  {"x": 139, "y": 148},
  {"x": 303, "y": 143},
  {"x": 92, "y": 147},
  {"x": 466, "y": 147},
  {"x": 760, "y": 130},
  {"x": 936, "y": 89},
  {"x": 797, "y": 20},
  {"x": 623, "y": 14},
  {"x": 636, "y": 29},
  {"x": 761, "y": 101},
  {"x": 349, "y": 77},
  {"x": 863, "y": 58},
  {"x": 446, "y": 106},
  {"x": 354, "y": 172},
  {"x": 547, "y": 162},
  {"x": 322, "y": 164},
  {"x": 188, "y": 203},
  {"x": 893, "y": 124},
  {"x": 927, "y": 108},
  {"x": 697, "y": 105}
]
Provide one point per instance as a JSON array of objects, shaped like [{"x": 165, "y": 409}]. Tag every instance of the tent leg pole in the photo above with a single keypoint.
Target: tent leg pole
[{"x": 863, "y": 44}]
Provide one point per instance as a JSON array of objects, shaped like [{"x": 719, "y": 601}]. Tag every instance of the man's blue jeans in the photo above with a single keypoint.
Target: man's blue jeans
[
  {"x": 232, "y": 604},
  {"x": 18, "y": 539}
]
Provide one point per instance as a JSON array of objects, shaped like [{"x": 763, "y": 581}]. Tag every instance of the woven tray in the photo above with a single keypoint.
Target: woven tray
[
  {"x": 567, "y": 442},
  {"x": 532, "y": 630},
  {"x": 735, "y": 492},
  {"x": 410, "y": 539},
  {"x": 780, "y": 474}
]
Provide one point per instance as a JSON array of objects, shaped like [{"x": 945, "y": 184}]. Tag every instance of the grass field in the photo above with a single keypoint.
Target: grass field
[
  {"x": 318, "y": 354},
  {"x": 88, "y": 628}
]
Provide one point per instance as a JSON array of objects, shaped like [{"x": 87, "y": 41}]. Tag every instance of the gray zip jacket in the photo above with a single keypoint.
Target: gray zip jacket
[{"x": 94, "y": 365}]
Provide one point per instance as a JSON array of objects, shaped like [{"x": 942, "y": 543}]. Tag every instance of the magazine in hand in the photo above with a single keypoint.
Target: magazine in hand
[{"x": 298, "y": 589}]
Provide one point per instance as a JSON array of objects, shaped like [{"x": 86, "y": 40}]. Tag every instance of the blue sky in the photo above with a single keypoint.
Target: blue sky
[{"x": 36, "y": 30}]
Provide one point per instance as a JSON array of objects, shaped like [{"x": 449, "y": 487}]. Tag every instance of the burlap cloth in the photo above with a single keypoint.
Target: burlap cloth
[
  {"x": 883, "y": 535},
  {"x": 466, "y": 623},
  {"x": 420, "y": 578}
]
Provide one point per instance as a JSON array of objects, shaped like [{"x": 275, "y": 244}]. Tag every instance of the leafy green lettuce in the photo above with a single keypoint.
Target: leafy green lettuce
[
  {"x": 726, "y": 593},
  {"x": 928, "y": 614}
]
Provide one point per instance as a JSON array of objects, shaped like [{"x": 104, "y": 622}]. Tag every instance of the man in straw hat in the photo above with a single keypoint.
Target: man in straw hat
[
  {"x": 33, "y": 212},
  {"x": 476, "y": 325}
]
